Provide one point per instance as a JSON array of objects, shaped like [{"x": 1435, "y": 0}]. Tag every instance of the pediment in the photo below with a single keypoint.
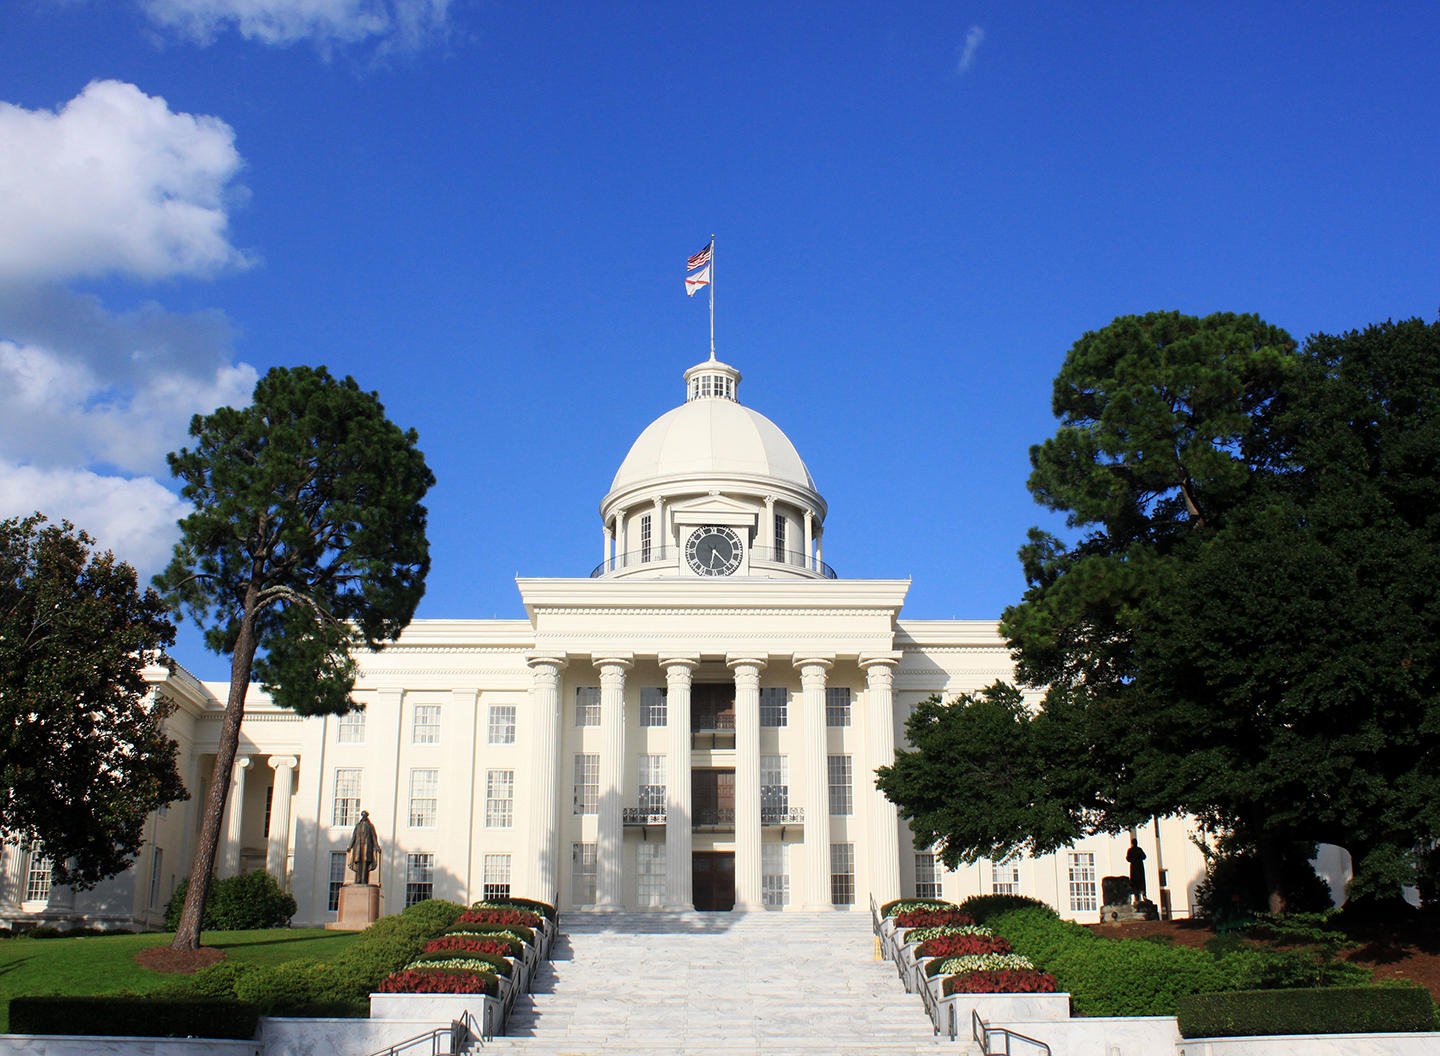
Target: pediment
[{"x": 684, "y": 512}]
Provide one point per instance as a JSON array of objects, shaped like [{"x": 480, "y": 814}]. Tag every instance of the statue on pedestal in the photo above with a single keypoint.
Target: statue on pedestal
[{"x": 363, "y": 855}]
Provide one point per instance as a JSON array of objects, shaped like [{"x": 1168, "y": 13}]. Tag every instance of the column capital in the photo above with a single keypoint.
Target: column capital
[
  {"x": 770, "y": 501},
  {"x": 624, "y": 661},
  {"x": 288, "y": 762},
  {"x": 873, "y": 661},
  {"x": 557, "y": 659},
  {"x": 659, "y": 501},
  {"x": 678, "y": 667},
  {"x": 804, "y": 660},
  {"x": 756, "y": 660},
  {"x": 244, "y": 762}
]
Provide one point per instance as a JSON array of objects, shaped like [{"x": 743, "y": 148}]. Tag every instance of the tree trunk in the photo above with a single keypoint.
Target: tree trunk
[
  {"x": 1270, "y": 863},
  {"x": 187, "y": 932}
]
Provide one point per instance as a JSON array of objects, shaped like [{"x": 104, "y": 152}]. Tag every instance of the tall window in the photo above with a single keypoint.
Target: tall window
[
  {"x": 155, "y": 868},
  {"x": 842, "y": 874},
  {"x": 269, "y": 803},
  {"x": 427, "y": 723},
  {"x": 774, "y": 875},
  {"x": 653, "y": 706},
  {"x": 837, "y": 705},
  {"x": 582, "y": 874},
  {"x": 1005, "y": 878},
  {"x": 424, "y": 795},
  {"x": 419, "y": 878},
  {"x": 650, "y": 874},
  {"x": 927, "y": 877},
  {"x": 499, "y": 799},
  {"x": 587, "y": 784},
  {"x": 497, "y": 877},
  {"x": 502, "y": 724},
  {"x": 587, "y": 705},
  {"x": 1082, "y": 881},
  {"x": 779, "y": 536},
  {"x": 351, "y": 728},
  {"x": 774, "y": 788},
  {"x": 774, "y": 706},
  {"x": 347, "y": 798},
  {"x": 337, "y": 879},
  {"x": 841, "y": 799},
  {"x": 652, "y": 784},
  {"x": 645, "y": 539}
]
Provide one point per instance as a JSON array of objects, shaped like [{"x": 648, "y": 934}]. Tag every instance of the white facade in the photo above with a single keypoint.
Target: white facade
[{"x": 706, "y": 710}]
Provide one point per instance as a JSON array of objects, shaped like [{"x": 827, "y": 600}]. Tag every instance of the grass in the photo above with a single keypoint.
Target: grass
[{"x": 95, "y": 964}]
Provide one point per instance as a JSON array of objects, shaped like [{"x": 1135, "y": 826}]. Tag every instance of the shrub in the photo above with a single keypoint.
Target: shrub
[
  {"x": 237, "y": 903},
  {"x": 1234, "y": 880},
  {"x": 499, "y": 947},
  {"x": 44, "y": 931},
  {"x": 900, "y": 905},
  {"x": 1005, "y": 981},
  {"x": 518, "y": 932},
  {"x": 503, "y": 917},
  {"x": 219, "y": 980},
  {"x": 499, "y": 965},
  {"x": 1349, "y": 1010},
  {"x": 439, "y": 982},
  {"x": 927, "y": 917},
  {"x": 134, "y": 1015},
  {"x": 302, "y": 987},
  {"x": 545, "y": 909},
  {"x": 962, "y": 946},
  {"x": 984, "y": 907}
]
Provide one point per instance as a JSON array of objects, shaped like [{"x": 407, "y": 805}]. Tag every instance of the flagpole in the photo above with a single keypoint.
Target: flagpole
[{"x": 712, "y": 298}]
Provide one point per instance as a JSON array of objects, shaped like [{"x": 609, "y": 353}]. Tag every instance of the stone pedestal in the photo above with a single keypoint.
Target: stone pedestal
[
  {"x": 1125, "y": 912},
  {"x": 359, "y": 907}
]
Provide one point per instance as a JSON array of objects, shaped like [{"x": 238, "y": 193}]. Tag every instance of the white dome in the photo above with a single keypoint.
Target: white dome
[{"x": 712, "y": 437}]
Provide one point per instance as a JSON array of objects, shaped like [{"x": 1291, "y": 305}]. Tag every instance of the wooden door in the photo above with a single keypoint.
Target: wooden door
[
  {"x": 713, "y": 877},
  {"x": 712, "y": 796}
]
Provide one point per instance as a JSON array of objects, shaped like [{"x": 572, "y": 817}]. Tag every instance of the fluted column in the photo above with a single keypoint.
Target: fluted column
[
  {"x": 815, "y": 786},
  {"x": 543, "y": 883},
  {"x": 622, "y": 535},
  {"x": 610, "y": 834},
  {"x": 879, "y": 671},
  {"x": 679, "y": 875},
  {"x": 809, "y": 535},
  {"x": 747, "y": 668},
  {"x": 658, "y": 536},
  {"x": 605, "y": 551},
  {"x": 234, "y": 817},
  {"x": 277, "y": 851}
]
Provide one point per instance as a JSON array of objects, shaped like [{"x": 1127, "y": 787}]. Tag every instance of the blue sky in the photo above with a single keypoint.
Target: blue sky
[{"x": 482, "y": 211}]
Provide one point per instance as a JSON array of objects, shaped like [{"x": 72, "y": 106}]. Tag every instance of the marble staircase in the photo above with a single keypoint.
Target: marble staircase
[{"x": 719, "y": 984}]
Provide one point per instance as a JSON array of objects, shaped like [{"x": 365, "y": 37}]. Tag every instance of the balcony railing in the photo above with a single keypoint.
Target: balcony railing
[
  {"x": 782, "y": 815},
  {"x": 668, "y": 554},
  {"x": 650, "y": 556},
  {"x": 794, "y": 558},
  {"x": 714, "y": 817},
  {"x": 642, "y": 816}
]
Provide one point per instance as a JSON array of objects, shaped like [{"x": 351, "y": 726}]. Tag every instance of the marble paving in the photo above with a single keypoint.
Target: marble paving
[{"x": 762, "y": 984}]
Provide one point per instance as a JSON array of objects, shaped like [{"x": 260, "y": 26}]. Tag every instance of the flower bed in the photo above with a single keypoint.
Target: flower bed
[
  {"x": 985, "y": 962},
  {"x": 495, "y": 946},
  {"x": 925, "y": 934},
  {"x": 503, "y": 917},
  {"x": 515, "y": 933},
  {"x": 442, "y": 981},
  {"x": 929, "y": 917},
  {"x": 1002, "y": 981},
  {"x": 475, "y": 962},
  {"x": 962, "y": 945},
  {"x": 524, "y": 905},
  {"x": 905, "y": 905}
]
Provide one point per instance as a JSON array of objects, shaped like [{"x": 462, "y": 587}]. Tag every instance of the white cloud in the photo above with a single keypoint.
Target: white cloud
[
  {"x": 391, "y": 24},
  {"x": 114, "y": 183},
  {"x": 973, "y": 40}
]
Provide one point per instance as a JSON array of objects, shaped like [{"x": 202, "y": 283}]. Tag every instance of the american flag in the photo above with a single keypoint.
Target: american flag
[{"x": 699, "y": 260}]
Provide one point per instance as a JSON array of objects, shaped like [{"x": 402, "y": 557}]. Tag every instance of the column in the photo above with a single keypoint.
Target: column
[
  {"x": 277, "y": 852},
  {"x": 604, "y": 554},
  {"x": 543, "y": 883},
  {"x": 610, "y": 835},
  {"x": 815, "y": 783},
  {"x": 747, "y": 668},
  {"x": 809, "y": 535},
  {"x": 234, "y": 818},
  {"x": 767, "y": 530},
  {"x": 679, "y": 874},
  {"x": 819, "y": 549},
  {"x": 622, "y": 539},
  {"x": 658, "y": 536},
  {"x": 879, "y": 671}
]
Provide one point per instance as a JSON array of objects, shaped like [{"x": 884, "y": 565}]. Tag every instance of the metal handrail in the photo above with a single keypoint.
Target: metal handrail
[
  {"x": 795, "y": 558},
  {"x": 980, "y": 1031},
  {"x": 652, "y": 555},
  {"x": 432, "y": 1036}
]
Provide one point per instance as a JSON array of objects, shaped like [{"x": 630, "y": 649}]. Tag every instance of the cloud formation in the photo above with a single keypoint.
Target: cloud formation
[
  {"x": 112, "y": 183},
  {"x": 973, "y": 40},
  {"x": 392, "y": 25}
]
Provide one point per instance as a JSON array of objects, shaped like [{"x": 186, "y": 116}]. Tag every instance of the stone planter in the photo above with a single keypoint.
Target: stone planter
[
  {"x": 482, "y": 1009},
  {"x": 86, "y": 1045}
]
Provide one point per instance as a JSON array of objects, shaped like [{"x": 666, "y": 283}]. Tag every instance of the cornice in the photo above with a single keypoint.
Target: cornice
[{"x": 802, "y": 596}]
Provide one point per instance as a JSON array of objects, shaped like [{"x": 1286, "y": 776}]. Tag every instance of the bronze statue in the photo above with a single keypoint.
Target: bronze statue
[
  {"x": 363, "y": 855},
  {"x": 1136, "y": 857}
]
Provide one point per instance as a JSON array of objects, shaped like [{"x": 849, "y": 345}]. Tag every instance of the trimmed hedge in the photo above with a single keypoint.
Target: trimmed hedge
[
  {"x": 983, "y": 907},
  {"x": 1335, "y": 1010},
  {"x": 132, "y": 1015},
  {"x": 237, "y": 903}
]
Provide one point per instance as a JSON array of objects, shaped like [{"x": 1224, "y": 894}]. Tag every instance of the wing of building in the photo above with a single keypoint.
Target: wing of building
[{"x": 696, "y": 724}]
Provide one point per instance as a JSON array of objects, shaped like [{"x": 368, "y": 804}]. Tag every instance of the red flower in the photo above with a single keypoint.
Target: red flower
[
  {"x": 963, "y": 945},
  {"x": 498, "y": 947},
  {"x": 499, "y": 916},
  {"x": 930, "y": 918},
  {"x": 1007, "y": 981},
  {"x": 438, "y": 982}
]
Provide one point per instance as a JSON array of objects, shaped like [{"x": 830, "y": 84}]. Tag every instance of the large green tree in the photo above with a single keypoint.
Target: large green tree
[
  {"x": 83, "y": 753},
  {"x": 307, "y": 542}
]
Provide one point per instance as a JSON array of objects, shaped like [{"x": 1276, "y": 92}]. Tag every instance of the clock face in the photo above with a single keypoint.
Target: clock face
[{"x": 713, "y": 551}]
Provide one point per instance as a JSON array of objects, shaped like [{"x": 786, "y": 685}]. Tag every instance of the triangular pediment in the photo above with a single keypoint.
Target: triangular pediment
[{"x": 715, "y": 504}]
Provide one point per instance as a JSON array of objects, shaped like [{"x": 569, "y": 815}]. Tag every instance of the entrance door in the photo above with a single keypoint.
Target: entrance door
[{"x": 714, "y": 880}]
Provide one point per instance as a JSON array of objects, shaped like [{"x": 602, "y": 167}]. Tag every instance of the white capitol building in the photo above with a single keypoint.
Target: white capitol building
[{"x": 695, "y": 725}]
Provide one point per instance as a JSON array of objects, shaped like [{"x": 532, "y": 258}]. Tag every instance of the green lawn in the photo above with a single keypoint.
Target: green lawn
[{"x": 94, "y": 964}]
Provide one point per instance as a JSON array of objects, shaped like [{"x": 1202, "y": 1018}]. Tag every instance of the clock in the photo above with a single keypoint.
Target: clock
[{"x": 713, "y": 551}]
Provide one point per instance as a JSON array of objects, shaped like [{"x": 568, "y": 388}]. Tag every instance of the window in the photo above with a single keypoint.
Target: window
[
  {"x": 419, "y": 878},
  {"x": 587, "y": 705},
  {"x": 653, "y": 706},
  {"x": 652, "y": 784},
  {"x": 644, "y": 538},
  {"x": 497, "y": 877},
  {"x": 351, "y": 728},
  {"x": 155, "y": 873},
  {"x": 502, "y": 724},
  {"x": 779, "y": 535},
  {"x": 427, "y": 723},
  {"x": 837, "y": 706},
  {"x": 347, "y": 798},
  {"x": 587, "y": 784},
  {"x": 774, "y": 708},
  {"x": 337, "y": 879},
  {"x": 269, "y": 802},
  {"x": 1082, "y": 881},
  {"x": 1005, "y": 879},
  {"x": 37, "y": 879},
  {"x": 774, "y": 788},
  {"x": 842, "y": 874},
  {"x": 424, "y": 794},
  {"x": 650, "y": 874},
  {"x": 582, "y": 874},
  {"x": 927, "y": 877},
  {"x": 774, "y": 874},
  {"x": 499, "y": 799},
  {"x": 841, "y": 799}
]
